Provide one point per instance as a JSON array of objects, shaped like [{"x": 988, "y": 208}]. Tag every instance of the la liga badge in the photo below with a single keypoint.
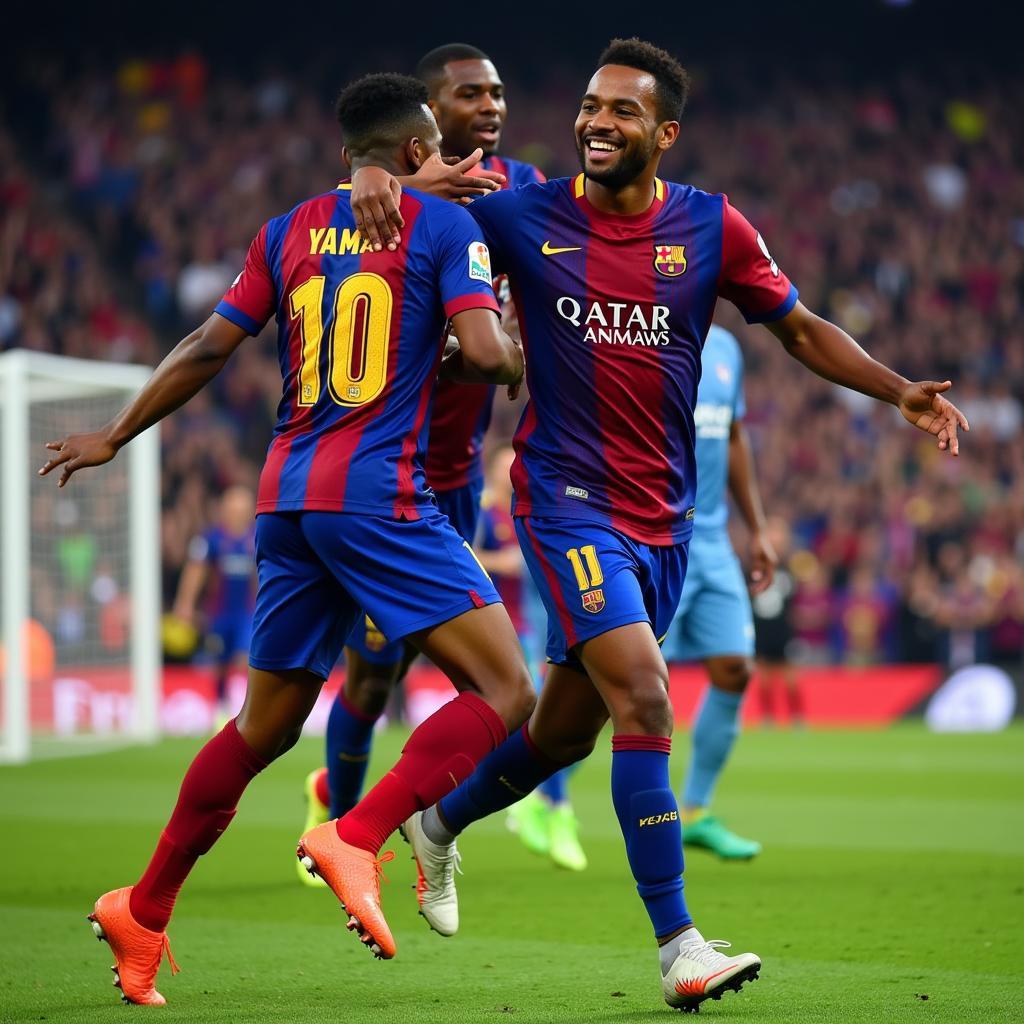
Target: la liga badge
[{"x": 479, "y": 262}]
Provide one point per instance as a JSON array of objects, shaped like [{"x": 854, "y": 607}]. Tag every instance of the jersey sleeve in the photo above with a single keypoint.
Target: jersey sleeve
[
  {"x": 487, "y": 536},
  {"x": 495, "y": 216},
  {"x": 251, "y": 300},
  {"x": 749, "y": 276},
  {"x": 464, "y": 264},
  {"x": 202, "y": 548}
]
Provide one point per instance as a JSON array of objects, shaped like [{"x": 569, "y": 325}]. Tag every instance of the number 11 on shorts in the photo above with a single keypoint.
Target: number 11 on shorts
[{"x": 586, "y": 566}]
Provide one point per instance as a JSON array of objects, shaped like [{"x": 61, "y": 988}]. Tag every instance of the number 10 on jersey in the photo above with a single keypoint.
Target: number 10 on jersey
[{"x": 360, "y": 338}]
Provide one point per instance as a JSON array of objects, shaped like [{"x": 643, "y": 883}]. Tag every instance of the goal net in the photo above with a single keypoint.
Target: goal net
[{"x": 79, "y": 566}]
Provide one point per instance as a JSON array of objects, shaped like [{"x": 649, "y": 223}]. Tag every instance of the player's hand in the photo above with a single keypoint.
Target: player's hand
[
  {"x": 375, "y": 198},
  {"x": 763, "y": 560},
  {"x": 449, "y": 177},
  {"x": 923, "y": 405},
  {"x": 77, "y": 451}
]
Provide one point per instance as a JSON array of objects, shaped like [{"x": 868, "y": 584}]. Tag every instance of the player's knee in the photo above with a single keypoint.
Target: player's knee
[
  {"x": 513, "y": 697},
  {"x": 732, "y": 674},
  {"x": 288, "y": 741},
  {"x": 645, "y": 707},
  {"x": 370, "y": 694},
  {"x": 577, "y": 748}
]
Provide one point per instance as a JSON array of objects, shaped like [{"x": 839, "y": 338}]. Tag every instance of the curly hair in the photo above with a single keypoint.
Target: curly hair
[
  {"x": 381, "y": 111},
  {"x": 671, "y": 78}
]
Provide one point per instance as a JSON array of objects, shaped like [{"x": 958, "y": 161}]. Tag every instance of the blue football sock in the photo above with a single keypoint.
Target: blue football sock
[
  {"x": 649, "y": 818},
  {"x": 349, "y": 739},
  {"x": 506, "y": 775},
  {"x": 556, "y": 788},
  {"x": 714, "y": 733}
]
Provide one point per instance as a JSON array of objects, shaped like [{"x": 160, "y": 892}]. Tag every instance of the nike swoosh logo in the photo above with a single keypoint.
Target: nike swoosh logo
[{"x": 548, "y": 250}]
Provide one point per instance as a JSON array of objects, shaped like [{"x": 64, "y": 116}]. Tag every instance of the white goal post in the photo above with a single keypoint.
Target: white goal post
[{"x": 79, "y": 566}]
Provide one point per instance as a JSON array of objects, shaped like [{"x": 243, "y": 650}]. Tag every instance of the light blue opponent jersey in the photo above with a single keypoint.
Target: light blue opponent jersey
[{"x": 719, "y": 402}]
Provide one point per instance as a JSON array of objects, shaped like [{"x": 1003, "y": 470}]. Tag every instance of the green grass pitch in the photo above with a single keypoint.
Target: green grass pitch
[{"x": 891, "y": 889}]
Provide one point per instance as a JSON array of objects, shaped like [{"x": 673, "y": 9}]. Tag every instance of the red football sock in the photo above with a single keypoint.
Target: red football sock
[
  {"x": 323, "y": 791},
  {"x": 440, "y": 754},
  {"x": 209, "y": 795}
]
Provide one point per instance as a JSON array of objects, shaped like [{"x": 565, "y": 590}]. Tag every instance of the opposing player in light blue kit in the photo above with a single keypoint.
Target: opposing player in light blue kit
[{"x": 714, "y": 623}]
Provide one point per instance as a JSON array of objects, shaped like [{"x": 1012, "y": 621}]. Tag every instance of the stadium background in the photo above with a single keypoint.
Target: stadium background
[
  {"x": 881, "y": 149},
  {"x": 880, "y": 154}
]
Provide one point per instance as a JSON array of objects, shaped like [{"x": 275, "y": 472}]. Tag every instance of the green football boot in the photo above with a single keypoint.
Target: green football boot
[
  {"x": 563, "y": 835},
  {"x": 316, "y": 814},
  {"x": 708, "y": 833},
  {"x": 529, "y": 820}
]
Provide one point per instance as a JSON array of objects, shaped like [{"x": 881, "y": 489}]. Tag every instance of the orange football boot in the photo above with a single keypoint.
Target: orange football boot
[
  {"x": 354, "y": 876},
  {"x": 137, "y": 951}
]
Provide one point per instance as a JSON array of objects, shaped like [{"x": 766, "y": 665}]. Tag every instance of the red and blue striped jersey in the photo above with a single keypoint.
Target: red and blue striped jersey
[
  {"x": 359, "y": 338},
  {"x": 613, "y": 312},
  {"x": 462, "y": 412},
  {"x": 231, "y": 589}
]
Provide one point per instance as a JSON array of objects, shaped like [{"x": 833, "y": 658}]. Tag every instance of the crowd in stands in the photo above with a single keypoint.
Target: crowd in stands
[{"x": 896, "y": 207}]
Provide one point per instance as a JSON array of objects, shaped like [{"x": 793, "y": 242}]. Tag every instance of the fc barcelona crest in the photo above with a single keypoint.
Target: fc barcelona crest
[
  {"x": 670, "y": 260},
  {"x": 593, "y": 600}
]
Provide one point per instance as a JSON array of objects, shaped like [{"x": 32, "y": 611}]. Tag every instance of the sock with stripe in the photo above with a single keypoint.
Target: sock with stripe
[
  {"x": 349, "y": 741},
  {"x": 714, "y": 733},
  {"x": 441, "y": 753},
  {"x": 649, "y": 818},
  {"x": 516, "y": 768},
  {"x": 207, "y": 802}
]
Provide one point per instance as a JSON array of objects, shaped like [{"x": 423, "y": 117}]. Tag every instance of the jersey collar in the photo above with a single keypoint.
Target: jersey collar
[{"x": 579, "y": 194}]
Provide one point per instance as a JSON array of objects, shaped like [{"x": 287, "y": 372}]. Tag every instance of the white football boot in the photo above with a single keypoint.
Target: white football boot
[
  {"x": 435, "y": 887},
  {"x": 701, "y": 972}
]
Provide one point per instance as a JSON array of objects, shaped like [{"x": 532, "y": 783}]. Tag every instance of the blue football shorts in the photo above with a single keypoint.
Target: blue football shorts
[
  {"x": 592, "y": 579},
  {"x": 714, "y": 615},
  {"x": 462, "y": 507},
  {"x": 321, "y": 573}
]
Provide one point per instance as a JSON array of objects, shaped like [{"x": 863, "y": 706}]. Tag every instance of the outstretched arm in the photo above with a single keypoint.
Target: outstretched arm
[
  {"x": 745, "y": 492},
  {"x": 193, "y": 363},
  {"x": 831, "y": 353}
]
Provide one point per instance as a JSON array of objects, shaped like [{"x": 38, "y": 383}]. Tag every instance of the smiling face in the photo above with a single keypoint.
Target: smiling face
[
  {"x": 469, "y": 105},
  {"x": 618, "y": 132}
]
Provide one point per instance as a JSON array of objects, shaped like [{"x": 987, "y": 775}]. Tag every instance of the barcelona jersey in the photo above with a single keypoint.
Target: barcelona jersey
[
  {"x": 613, "y": 312},
  {"x": 462, "y": 412},
  {"x": 359, "y": 344},
  {"x": 232, "y": 561}
]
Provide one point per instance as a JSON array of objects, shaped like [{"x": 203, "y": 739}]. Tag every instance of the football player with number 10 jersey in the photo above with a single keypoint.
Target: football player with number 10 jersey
[{"x": 345, "y": 521}]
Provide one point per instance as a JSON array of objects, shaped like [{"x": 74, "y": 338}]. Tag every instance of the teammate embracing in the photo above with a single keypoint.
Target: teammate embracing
[
  {"x": 345, "y": 521},
  {"x": 467, "y": 98},
  {"x": 615, "y": 275}
]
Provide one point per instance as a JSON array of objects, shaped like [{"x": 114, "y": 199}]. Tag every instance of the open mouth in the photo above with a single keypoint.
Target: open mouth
[
  {"x": 600, "y": 149},
  {"x": 489, "y": 131}
]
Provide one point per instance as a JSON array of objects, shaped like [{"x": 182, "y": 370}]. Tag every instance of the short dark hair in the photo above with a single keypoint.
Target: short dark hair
[
  {"x": 431, "y": 65},
  {"x": 671, "y": 78},
  {"x": 381, "y": 111}
]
